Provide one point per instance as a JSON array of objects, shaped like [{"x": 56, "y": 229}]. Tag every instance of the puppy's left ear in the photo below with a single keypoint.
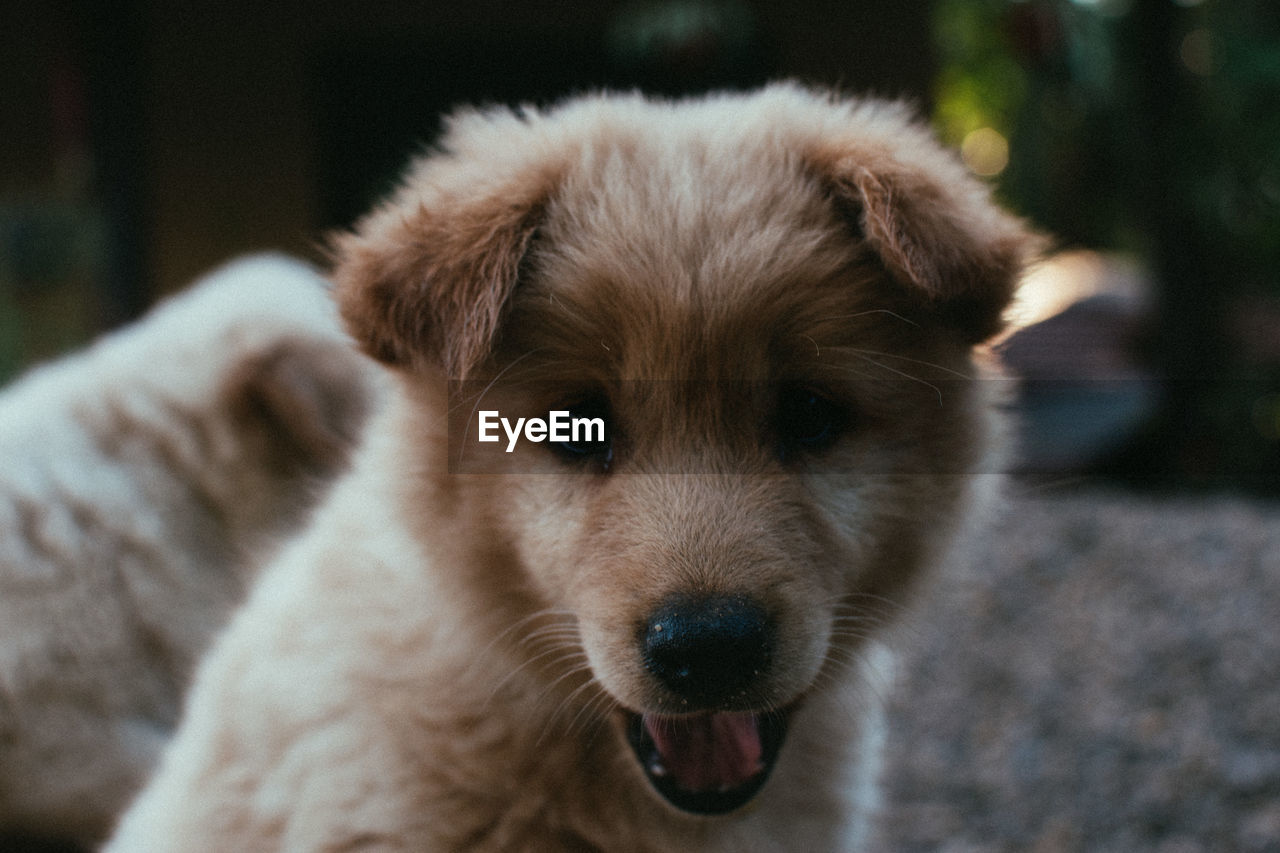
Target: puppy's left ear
[
  {"x": 935, "y": 229},
  {"x": 427, "y": 277}
]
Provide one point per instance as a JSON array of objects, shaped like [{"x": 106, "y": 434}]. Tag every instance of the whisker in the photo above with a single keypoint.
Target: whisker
[
  {"x": 549, "y": 633},
  {"x": 590, "y": 710},
  {"x": 838, "y": 664},
  {"x": 480, "y": 396},
  {"x": 892, "y": 314},
  {"x": 520, "y": 624},
  {"x": 903, "y": 374},
  {"x": 860, "y": 602},
  {"x": 567, "y": 702},
  {"x": 562, "y": 640},
  {"x": 921, "y": 362},
  {"x": 566, "y": 651}
]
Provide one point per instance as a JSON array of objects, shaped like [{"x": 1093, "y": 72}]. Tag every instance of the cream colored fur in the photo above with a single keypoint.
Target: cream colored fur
[
  {"x": 446, "y": 659},
  {"x": 141, "y": 479}
]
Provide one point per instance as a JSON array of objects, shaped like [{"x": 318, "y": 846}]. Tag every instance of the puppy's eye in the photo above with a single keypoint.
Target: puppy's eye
[
  {"x": 589, "y": 436},
  {"x": 808, "y": 421}
]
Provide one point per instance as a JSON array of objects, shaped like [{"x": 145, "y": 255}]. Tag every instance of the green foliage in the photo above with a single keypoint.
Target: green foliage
[
  {"x": 1151, "y": 126},
  {"x": 1056, "y": 77}
]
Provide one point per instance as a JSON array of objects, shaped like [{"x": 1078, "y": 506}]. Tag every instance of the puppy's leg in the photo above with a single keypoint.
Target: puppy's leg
[
  {"x": 283, "y": 746},
  {"x": 256, "y": 775}
]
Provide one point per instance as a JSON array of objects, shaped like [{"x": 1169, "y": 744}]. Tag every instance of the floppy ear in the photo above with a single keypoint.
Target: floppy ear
[
  {"x": 429, "y": 277},
  {"x": 936, "y": 231},
  {"x": 307, "y": 400}
]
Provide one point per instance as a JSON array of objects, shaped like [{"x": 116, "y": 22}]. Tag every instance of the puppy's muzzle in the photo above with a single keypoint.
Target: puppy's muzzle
[
  {"x": 711, "y": 654},
  {"x": 708, "y": 651}
]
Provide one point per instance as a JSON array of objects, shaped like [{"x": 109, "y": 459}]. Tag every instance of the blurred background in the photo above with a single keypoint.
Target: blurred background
[
  {"x": 1104, "y": 673},
  {"x": 144, "y": 142}
]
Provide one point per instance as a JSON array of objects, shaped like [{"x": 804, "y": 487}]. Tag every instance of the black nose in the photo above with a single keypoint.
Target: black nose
[{"x": 709, "y": 649}]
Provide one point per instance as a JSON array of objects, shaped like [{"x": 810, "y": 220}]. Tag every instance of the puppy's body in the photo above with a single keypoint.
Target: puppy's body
[
  {"x": 139, "y": 478},
  {"x": 659, "y": 641}
]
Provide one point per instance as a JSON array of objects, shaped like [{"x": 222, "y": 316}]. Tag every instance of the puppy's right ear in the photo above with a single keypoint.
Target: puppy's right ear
[
  {"x": 933, "y": 226},
  {"x": 428, "y": 276}
]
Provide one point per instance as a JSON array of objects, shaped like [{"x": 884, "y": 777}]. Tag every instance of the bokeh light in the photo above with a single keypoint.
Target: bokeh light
[{"x": 985, "y": 151}]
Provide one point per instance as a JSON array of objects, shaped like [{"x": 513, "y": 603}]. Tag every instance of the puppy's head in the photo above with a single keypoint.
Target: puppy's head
[{"x": 770, "y": 300}]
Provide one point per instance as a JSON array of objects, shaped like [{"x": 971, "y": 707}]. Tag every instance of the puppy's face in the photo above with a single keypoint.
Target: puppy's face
[{"x": 769, "y": 302}]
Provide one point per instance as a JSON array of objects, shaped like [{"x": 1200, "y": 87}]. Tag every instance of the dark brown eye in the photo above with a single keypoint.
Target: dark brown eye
[
  {"x": 588, "y": 435},
  {"x": 807, "y": 421}
]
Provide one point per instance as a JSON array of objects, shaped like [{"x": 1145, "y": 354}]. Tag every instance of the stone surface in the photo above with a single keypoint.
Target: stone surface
[{"x": 1101, "y": 674}]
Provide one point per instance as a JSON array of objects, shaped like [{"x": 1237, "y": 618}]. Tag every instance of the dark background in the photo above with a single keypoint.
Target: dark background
[
  {"x": 143, "y": 142},
  {"x": 220, "y": 127}
]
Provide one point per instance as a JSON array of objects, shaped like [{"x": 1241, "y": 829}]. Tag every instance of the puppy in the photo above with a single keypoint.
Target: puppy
[
  {"x": 139, "y": 478},
  {"x": 659, "y": 636}
]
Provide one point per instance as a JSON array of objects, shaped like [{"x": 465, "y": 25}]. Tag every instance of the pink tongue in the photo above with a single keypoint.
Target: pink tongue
[{"x": 708, "y": 752}]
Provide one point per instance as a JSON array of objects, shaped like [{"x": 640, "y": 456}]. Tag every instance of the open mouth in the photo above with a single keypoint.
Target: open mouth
[{"x": 708, "y": 763}]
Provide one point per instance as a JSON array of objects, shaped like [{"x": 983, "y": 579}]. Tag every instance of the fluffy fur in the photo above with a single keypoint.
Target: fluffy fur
[
  {"x": 140, "y": 478},
  {"x": 458, "y": 651}
]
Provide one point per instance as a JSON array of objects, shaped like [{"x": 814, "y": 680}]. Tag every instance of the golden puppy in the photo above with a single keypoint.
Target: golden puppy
[
  {"x": 654, "y": 637},
  {"x": 140, "y": 479}
]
